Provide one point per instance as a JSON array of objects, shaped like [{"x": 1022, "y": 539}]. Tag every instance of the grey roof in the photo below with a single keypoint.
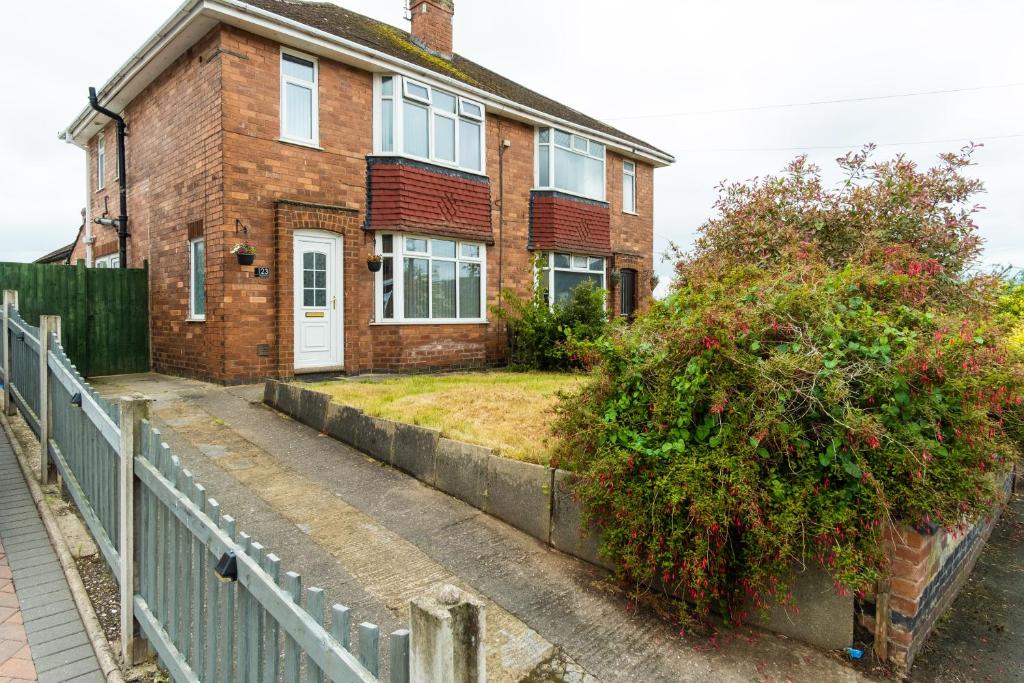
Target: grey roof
[{"x": 395, "y": 42}]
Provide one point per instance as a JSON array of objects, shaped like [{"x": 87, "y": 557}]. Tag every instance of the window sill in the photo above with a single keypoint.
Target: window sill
[
  {"x": 568, "y": 192},
  {"x": 301, "y": 143},
  {"x": 385, "y": 323},
  {"x": 432, "y": 162},
  {"x": 195, "y": 320},
  {"x": 630, "y": 213}
]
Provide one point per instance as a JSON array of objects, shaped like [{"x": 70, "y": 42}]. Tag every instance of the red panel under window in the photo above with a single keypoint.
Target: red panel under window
[
  {"x": 559, "y": 221},
  {"x": 412, "y": 196}
]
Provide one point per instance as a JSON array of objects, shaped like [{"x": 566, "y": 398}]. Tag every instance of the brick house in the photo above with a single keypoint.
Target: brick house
[{"x": 323, "y": 136}]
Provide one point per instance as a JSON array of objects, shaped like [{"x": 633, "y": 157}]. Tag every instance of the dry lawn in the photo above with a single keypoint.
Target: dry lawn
[{"x": 507, "y": 411}]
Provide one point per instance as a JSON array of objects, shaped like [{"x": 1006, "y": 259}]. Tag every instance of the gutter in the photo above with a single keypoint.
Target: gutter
[{"x": 236, "y": 9}]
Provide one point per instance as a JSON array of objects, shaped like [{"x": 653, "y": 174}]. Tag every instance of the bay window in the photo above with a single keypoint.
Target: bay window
[
  {"x": 430, "y": 279},
  {"x": 299, "y": 107},
  {"x": 568, "y": 271},
  {"x": 570, "y": 163},
  {"x": 418, "y": 120}
]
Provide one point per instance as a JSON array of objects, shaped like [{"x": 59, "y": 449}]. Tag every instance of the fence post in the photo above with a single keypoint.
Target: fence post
[
  {"x": 133, "y": 411},
  {"x": 10, "y": 302},
  {"x": 447, "y": 638},
  {"x": 48, "y": 324}
]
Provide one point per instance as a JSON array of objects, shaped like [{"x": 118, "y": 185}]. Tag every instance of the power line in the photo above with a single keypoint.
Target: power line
[
  {"x": 814, "y": 103},
  {"x": 810, "y": 148}
]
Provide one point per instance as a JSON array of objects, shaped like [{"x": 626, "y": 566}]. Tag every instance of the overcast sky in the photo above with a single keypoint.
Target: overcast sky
[{"x": 662, "y": 70}]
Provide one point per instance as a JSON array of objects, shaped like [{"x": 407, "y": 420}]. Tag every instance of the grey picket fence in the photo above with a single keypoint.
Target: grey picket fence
[{"x": 261, "y": 627}]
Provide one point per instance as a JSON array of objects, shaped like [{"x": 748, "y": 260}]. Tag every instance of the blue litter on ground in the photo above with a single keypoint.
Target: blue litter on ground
[{"x": 854, "y": 653}]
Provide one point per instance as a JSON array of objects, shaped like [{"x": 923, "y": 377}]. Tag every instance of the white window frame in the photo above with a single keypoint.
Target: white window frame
[
  {"x": 398, "y": 254},
  {"x": 629, "y": 174},
  {"x": 192, "y": 315},
  {"x": 551, "y": 268},
  {"x": 551, "y": 144},
  {"x": 313, "y": 85},
  {"x": 108, "y": 261},
  {"x": 101, "y": 161},
  {"x": 400, "y": 92}
]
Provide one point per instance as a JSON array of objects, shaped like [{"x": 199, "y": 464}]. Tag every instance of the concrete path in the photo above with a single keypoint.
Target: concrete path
[
  {"x": 373, "y": 538},
  {"x": 980, "y": 638},
  {"x": 41, "y": 633}
]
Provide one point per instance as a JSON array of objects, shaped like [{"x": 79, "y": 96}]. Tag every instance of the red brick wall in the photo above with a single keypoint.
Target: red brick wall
[
  {"x": 173, "y": 159},
  {"x": 204, "y": 146},
  {"x": 432, "y": 24},
  {"x": 927, "y": 570},
  {"x": 403, "y": 195}
]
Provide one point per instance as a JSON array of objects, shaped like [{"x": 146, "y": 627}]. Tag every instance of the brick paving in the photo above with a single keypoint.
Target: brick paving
[{"x": 41, "y": 633}]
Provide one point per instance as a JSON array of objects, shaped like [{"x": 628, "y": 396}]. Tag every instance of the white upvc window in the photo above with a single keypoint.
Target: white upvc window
[
  {"x": 108, "y": 261},
  {"x": 568, "y": 271},
  {"x": 430, "y": 280},
  {"x": 101, "y": 162},
  {"x": 417, "y": 120},
  {"x": 299, "y": 98},
  {"x": 197, "y": 279},
  {"x": 629, "y": 186},
  {"x": 570, "y": 163}
]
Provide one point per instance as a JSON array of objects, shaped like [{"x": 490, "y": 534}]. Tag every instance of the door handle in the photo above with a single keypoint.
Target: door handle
[{"x": 334, "y": 303}]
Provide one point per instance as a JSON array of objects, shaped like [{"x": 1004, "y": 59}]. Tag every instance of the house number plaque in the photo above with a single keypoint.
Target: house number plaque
[{"x": 262, "y": 272}]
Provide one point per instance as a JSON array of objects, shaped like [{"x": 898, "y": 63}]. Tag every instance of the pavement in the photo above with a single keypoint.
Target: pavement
[
  {"x": 979, "y": 638},
  {"x": 374, "y": 538},
  {"x": 42, "y": 637}
]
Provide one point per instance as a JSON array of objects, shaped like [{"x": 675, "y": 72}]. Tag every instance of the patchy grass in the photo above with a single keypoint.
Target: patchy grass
[{"x": 507, "y": 411}]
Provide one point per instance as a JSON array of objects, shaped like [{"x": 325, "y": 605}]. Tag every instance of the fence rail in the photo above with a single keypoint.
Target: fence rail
[{"x": 162, "y": 536}]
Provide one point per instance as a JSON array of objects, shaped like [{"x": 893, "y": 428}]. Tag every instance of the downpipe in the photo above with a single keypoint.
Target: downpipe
[{"x": 122, "y": 181}]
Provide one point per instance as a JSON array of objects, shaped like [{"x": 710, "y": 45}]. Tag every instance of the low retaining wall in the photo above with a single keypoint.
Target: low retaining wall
[
  {"x": 927, "y": 570},
  {"x": 930, "y": 566}
]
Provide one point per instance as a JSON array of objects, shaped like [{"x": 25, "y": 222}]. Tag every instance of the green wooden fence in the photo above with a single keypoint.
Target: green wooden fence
[{"x": 104, "y": 311}]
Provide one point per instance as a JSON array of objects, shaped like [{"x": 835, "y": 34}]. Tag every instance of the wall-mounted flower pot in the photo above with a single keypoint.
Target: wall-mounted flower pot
[
  {"x": 374, "y": 266},
  {"x": 246, "y": 259}
]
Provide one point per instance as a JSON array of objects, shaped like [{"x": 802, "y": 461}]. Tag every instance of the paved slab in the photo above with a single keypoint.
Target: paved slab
[
  {"x": 41, "y": 633},
  {"x": 374, "y": 537}
]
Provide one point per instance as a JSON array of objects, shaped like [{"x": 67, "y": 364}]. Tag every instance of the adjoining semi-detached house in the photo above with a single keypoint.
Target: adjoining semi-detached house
[{"x": 323, "y": 136}]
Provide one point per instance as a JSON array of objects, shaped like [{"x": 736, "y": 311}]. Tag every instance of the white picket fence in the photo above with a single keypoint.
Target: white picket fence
[{"x": 162, "y": 536}]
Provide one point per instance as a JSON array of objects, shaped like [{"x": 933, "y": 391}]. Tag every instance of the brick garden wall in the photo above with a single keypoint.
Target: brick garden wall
[{"x": 928, "y": 569}]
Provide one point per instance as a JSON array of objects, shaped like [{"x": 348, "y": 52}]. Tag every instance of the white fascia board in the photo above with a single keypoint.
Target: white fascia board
[
  {"x": 177, "y": 34},
  {"x": 170, "y": 40}
]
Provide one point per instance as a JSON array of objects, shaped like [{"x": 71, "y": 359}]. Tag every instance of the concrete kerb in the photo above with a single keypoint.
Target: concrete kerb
[
  {"x": 97, "y": 638},
  {"x": 535, "y": 499}
]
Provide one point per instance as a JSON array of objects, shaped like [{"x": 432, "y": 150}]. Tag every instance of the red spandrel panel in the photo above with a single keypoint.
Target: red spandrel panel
[{"x": 558, "y": 221}]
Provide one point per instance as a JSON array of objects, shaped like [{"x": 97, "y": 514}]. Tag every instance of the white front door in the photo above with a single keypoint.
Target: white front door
[{"x": 318, "y": 301}]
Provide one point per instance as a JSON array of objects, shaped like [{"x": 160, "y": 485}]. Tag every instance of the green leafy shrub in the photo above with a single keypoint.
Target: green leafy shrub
[
  {"x": 822, "y": 369},
  {"x": 540, "y": 334}
]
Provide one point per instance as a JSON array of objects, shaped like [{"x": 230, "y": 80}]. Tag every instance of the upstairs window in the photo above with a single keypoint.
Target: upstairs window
[
  {"x": 629, "y": 187},
  {"x": 299, "y": 108},
  {"x": 570, "y": 163},
  {"x": 101, "y": 163},
  {"x": 430, "y": 279},
  {"x": 424, "y": 122}
]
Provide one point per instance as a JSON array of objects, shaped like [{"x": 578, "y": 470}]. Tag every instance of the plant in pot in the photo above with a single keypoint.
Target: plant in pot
[
  {"x": 245, "y": 252},
  {"x": 374, "y": 262}
]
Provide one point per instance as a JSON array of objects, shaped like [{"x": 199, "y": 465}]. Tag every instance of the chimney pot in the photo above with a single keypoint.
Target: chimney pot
[{"x": 432, "y": 25}]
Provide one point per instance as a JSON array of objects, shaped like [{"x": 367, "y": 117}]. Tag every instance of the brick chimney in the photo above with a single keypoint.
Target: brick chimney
[{"x": 432, "y": 25}]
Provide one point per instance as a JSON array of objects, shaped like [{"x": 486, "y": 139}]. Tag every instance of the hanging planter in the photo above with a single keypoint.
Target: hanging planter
[
  {"x": 245, "y": 252},
  {"x": 374, "y": 262}
]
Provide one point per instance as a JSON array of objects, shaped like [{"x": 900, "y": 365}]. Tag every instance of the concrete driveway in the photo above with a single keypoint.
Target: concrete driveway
[{"x": 373, "y": 538}]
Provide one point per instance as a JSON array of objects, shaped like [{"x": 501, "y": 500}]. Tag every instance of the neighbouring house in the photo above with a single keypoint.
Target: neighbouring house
[
  {"x": 322, "y": 136},
  {"x": 59, "y": 257}
]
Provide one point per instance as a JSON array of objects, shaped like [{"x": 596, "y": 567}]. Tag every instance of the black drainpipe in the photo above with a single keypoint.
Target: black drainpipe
[{"x": 122, "y": 180}]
